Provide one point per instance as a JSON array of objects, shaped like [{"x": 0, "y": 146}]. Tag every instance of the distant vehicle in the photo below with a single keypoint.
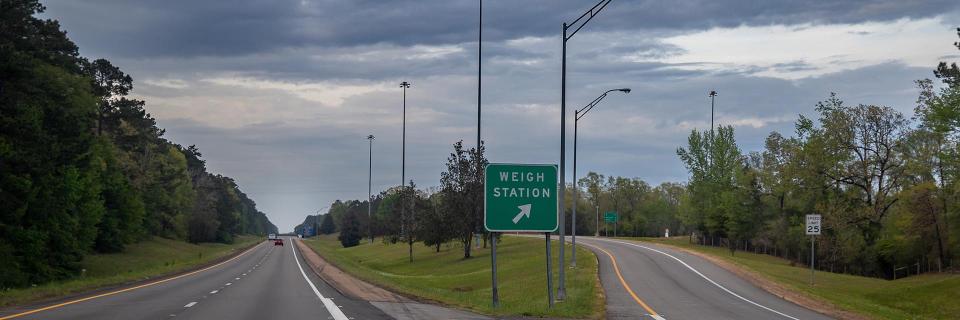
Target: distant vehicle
[
  {"x": 272, "y": 236},
  {"x": 278, "y": 242}
]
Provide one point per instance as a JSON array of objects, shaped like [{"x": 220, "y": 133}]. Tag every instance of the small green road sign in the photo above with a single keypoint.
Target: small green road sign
[
  {"x": 520, "y": 197},
  {"x": 610, "y": 216}
]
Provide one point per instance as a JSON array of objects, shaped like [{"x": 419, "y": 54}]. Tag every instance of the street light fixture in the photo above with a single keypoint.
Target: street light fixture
[
  {"x": 713, "y": 94},
  {"x": 370, "y": 189},
  {"x": 576, "y": 25},
  {"x": 577, "y": 114}
]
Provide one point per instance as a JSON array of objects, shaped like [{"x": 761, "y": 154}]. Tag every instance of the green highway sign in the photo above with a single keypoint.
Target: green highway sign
[
  {"x": 520, "y": 197},
  {"x": 610, "y": 216}
]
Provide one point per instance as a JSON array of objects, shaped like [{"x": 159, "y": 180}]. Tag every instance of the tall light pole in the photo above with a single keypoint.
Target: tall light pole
[
  {"x": 370, "y": 189},
  {"x": 403, "y": 155},
  {"x": 576, "y": 25},
  {"x": 479, "y": 62},
  {"x": 493, "y": 235},
  {"x": 577, "y": 114}
]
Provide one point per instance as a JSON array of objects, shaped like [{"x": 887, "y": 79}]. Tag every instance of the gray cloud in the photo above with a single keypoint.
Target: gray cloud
[{"x": 184, "y": 28}]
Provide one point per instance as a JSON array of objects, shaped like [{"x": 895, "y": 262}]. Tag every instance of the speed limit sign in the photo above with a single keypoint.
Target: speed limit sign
[{"x": 813, "y": 224}]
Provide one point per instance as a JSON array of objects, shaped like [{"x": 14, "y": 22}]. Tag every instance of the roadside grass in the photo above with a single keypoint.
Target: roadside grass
[
  {"x": 149, "y": 258},
  {"x": 930, "y": 296},
  {"x": 447, "y": 278}
]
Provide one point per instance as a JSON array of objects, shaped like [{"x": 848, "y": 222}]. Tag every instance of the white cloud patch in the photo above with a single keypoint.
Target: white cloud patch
[
  {"x": 736, "y": 122},
  {"x": 809, "y": 50},
  {"x": 166, "y": 83},
  {"x": 391, "y": 52},
  {"x": 326, "y": 93}
]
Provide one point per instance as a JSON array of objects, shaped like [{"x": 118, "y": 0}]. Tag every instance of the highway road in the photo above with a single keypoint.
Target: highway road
[
  {"x": 640, "y": 280},
  {"x": 265, "y": 282},
  {"x": 644, "y": 281}
]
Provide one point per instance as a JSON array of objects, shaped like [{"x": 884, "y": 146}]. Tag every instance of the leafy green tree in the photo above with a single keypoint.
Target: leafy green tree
[
  {"x": 864, "y": 143},
  {"x": 435, "y": 222},
  {"x": 713, "y": 160},
  {"x": 109, "y": 83},
  {"x": 350, "y": 233},
  {"x": 742, "y": 208},
  {"x": 410, "y": 207},
  {"x": 462, "y": 190},
  {"x": 327, "y": 226},
  {"x": 168, "y": 194},
  {"x": 123, "y": 219}
]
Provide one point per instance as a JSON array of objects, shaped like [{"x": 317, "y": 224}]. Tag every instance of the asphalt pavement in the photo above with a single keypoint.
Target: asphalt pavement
[
  {"x": 265, "y": 282},
  {"x": 657, "y": 282}
]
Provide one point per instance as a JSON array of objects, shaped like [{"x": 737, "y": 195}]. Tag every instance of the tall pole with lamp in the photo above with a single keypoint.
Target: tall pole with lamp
[
  {"x": 370, "y": 189},
  {"x": 577, "y": 114},
  {"x": 403, "y": 156}
]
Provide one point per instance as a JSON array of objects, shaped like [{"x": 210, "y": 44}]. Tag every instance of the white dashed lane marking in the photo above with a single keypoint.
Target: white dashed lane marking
[{"x": 190, "y": 304}]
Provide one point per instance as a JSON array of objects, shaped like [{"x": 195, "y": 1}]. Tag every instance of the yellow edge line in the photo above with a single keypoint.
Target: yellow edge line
[
  {"x": 624, "y": 282},
  {"x": 125, "y": 290}
]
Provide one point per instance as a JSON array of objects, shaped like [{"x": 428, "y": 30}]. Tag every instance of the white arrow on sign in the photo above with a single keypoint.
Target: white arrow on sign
[{"x": 524, "y": 211}]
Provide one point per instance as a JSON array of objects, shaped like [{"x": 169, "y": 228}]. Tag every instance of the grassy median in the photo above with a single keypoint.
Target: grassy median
[
  {"x": 448, "y": 278},
  {"x": 150, "y": 258},
  {"x": 932, "y": 296}
]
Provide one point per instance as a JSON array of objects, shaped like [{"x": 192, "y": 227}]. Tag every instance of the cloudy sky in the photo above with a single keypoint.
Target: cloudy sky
[{"x": 282, "y": 94}]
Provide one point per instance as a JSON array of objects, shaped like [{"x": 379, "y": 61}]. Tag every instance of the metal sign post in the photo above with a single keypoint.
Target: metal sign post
[
  {"x": 520, "y": 198},
  {"x": 549, "y": 273},
  {"x": 813, "y": 230}
]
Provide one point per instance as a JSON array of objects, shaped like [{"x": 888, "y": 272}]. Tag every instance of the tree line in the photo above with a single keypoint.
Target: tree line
[{"x": 84, "y": 168}]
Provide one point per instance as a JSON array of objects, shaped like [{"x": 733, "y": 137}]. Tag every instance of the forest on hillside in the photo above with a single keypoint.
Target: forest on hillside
[
  {"x": 886, "y": 183},
  {"x": 84, "y": 168}
]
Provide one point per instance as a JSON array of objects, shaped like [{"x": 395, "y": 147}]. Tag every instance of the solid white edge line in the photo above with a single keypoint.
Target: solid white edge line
[
  {"x": 656, "y": 317},
  {"x": 327, "y": 303},
  {"x": 704, "y": 277}
]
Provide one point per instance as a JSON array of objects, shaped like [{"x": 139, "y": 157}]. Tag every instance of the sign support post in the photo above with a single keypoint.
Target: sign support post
[
  {"x": 493, "y": 269},
  {"x": 549, "y": 273},
  {"x": 812, "y": 256},
  {"x": 520, "y": 198},
  {"x": 813, "y": 230}
]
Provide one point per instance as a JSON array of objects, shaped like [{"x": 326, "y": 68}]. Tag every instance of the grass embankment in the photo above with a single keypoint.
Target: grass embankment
[
  {"x": 153, "y": 257},
  {"x": 932, "y": 296},
  {"x": 448, "y": 278}
]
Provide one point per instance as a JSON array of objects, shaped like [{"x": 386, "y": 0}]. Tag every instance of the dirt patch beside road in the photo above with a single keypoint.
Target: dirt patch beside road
[{"x": 345, "y": 283}]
